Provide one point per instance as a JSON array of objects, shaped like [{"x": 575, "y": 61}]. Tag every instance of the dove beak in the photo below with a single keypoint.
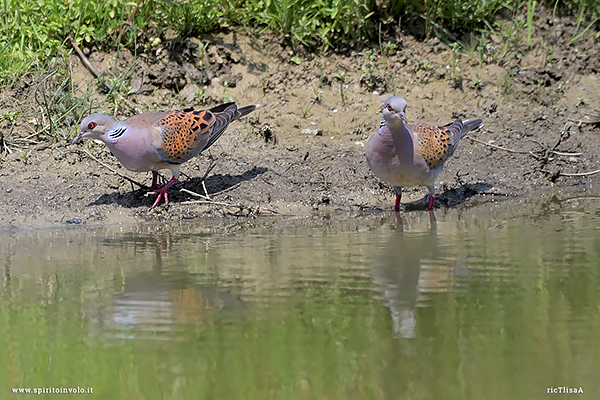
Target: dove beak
[
  {"x": 78, "y": 138},
  {"x": 402, "y": 117}
]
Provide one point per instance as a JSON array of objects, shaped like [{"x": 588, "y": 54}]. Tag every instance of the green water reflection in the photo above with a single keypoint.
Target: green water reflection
[{"x": 484, "y": 304}]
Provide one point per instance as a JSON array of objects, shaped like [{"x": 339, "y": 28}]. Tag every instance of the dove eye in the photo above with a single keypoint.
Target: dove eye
[
  {"x": 92, "y": 125},
  {"x": 390, "y": 108}
]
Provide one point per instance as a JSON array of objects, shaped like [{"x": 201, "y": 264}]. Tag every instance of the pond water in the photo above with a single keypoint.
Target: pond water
[{"x": 499, "y": 301}]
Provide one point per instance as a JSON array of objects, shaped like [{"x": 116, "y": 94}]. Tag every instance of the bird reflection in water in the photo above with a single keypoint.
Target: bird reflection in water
[
  {"x": 397, "y": 271},
  {"x": 167, "y": 296}
]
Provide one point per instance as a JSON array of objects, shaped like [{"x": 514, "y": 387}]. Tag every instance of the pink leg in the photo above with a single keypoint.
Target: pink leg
[
  {"x": 154, "y": 180},
  {"x": 431, "y": 200},
  {"x": 163, "y": 192},
  {"x": 397, "y": 206}
]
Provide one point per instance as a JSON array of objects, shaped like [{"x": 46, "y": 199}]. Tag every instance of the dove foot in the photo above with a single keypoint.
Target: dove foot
[{"x": 162, "y": 192}]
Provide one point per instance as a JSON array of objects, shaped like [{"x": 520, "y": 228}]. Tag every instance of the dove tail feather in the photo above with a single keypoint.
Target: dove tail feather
[
  {"x": 221, "y": 107},
  {"x": 224, "y": 115},
  {"x": 470, "y": 125},
  {"x": 246, "y": 110}
]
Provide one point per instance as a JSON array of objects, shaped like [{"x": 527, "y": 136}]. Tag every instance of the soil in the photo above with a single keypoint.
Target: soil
[{"x": 302, "y": 151}]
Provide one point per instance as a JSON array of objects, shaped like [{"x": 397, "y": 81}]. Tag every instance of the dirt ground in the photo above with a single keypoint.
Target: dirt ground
[{"x": 302, "y": 151}]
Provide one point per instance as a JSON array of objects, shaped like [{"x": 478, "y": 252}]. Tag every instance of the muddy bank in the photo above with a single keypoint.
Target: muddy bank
[{"x": 301, "y": 153}]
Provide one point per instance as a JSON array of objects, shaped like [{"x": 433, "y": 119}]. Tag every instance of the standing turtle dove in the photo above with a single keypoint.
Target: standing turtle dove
[
  {"x": 410, "y": 155},
  {"x": 158, "y": 140}
]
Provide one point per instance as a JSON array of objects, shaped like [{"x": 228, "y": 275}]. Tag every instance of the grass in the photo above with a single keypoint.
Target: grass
[
  {"x": 32, "y": 30},
  {"x": 530, "y": 10},
  {"x": 33, "y": 36},
  {"x": 342, "y": 78}
]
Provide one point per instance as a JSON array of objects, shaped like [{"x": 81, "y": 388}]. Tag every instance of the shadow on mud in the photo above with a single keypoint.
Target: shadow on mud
[
  {"x": 452, "y": 197},
  {"x": 215, "y": 184}
]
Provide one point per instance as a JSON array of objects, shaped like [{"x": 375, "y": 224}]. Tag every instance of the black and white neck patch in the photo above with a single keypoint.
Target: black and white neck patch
[{"x": 117, "y": 133}]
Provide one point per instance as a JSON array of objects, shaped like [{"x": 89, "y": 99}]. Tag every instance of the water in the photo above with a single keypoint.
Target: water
[{"x": 494, "y": 302}]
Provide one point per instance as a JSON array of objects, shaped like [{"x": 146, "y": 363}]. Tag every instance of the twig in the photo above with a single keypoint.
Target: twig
[
  {"x": 592, "y": 115},
  {"x": 133, "y": 13},
  {"x": 560, "y": 153},
  {"x": 211, "y": 166},
  {"x": 227, "y": 190},
  {"x": 110, "y": 169},
  {"x": 217, "y": 203},
  {"x": 580, "y": 121},
  {"x": 205, "y": 191},
  {"x": 582, "y": 198},
  {"x": 531, "y": 153},
  {"x": 580, "y": 173},
  {"x": 499, "y": 147},
  {"x": 194, "y": 193},
  {"x": 98, "y": 74},
  {"x": 24, "y": 140}
]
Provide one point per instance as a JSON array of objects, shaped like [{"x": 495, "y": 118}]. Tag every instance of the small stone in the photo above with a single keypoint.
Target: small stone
[
  {"x": 235, "y": 57},
  {"x": 314, "y": 132}
]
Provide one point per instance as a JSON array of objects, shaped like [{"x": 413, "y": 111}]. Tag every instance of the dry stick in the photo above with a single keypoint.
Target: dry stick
[
  {"x": 580, "y": 173},
  {"x": 217, "y": 203},
  {"x": 580, "y": 121},
  {"x": 214, "y": 194},
  {"x": 133, "y": 13},
  {"x": 498, "y": 147},
  {"x": 597, "y": 116},
  {"x": 558, "y": 153},
  {"x": 205, "y": 196},
  {"x": 583, "y": 198},
  {"x": 111, "y": 169},
  {"x": 227, "y": 190},
  {"x": 552, "y": 151},
  {"x": 211, "y": 166},
  {"x": 205, "y": 191},
  {"x": 194, "y": 193},
  {"x": 97, "y": 73}
]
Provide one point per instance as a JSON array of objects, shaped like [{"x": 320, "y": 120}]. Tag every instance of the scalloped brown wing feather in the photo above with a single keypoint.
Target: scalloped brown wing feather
[
  {"x": 183, "y": 132},
  {"x": 437, "y": 143}
]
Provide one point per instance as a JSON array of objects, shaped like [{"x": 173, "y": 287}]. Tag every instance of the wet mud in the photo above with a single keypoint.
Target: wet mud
[{"x": 302, "y": 152}]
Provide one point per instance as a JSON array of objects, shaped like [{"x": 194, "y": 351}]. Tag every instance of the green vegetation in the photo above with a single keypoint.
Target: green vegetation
[
  {"x": 33, "y": 30},
  {"x": 34, "y": 41}
]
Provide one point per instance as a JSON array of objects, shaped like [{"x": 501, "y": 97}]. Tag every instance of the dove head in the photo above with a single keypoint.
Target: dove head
[
  {"x": 94, "y": 126},
  {"x": 394, "y": 109}
]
